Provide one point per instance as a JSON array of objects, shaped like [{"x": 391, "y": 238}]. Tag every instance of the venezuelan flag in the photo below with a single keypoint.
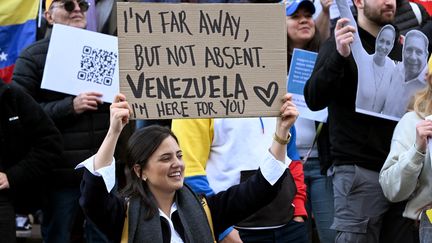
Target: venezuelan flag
[{"x": 17, "y": 30}]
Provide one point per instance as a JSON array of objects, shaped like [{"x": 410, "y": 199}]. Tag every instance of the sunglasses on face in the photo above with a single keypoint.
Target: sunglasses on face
[{"x": 69, "y": 6}]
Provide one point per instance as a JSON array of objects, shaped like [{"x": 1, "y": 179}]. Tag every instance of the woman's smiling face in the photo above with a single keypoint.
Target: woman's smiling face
[
  {"x": 164, "y": 171},
  {"x": 384, "y": 42},
  {"x": 300, "y": 27}
]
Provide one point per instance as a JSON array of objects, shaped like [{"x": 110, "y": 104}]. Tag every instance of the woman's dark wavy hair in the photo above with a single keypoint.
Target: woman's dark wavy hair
[{"x": 141, "y": 145}]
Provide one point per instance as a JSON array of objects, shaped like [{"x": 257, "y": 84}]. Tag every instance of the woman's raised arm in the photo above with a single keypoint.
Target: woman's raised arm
[{"x": 119, "y": 117}]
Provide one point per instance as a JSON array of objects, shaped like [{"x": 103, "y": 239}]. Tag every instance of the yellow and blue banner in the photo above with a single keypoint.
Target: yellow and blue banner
[{"x": 17, "y": 31}]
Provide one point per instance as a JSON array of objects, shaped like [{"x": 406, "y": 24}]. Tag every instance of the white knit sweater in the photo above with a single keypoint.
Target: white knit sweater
[{"x": 407, "y": 174}]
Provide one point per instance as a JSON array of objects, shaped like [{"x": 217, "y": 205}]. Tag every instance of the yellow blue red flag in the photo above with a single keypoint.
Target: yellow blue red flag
[{"x": 17, "y": 30}]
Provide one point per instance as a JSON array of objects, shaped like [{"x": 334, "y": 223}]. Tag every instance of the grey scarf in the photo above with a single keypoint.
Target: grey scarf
[{"x": 191, "y": 214}]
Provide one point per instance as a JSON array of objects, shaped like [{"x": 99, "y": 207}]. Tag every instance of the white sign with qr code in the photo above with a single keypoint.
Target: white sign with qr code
[{"x": 80, "y": 61}]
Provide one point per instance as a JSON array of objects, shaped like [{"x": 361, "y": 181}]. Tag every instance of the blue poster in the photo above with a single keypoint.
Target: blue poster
[{"x": 302, "y": 65}]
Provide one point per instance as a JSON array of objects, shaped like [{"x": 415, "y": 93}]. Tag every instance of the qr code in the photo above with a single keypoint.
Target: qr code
[{"x": 97, "y": 65}]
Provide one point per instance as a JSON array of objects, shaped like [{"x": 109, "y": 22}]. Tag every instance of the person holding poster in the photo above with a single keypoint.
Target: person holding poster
[
  {"x": 302, "y": 33},
  {"x": 155, "y": 206},
  {"x": 83, "y": 121},
  {"x": 374, "y": 71},
  {"x": 359, "y": 143},
  {"x": 407, "y": 169},
  {"x": 409, "y": 76}
]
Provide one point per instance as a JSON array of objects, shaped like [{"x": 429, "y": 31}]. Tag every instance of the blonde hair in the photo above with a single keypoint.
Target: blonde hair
[{"x": 422, "y": 101}]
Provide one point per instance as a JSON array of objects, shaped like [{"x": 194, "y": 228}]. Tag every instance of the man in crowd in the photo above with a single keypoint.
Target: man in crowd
[{"x": 360, "y": 143}]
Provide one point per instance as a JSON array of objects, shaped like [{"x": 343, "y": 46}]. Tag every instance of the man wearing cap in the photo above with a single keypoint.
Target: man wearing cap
[
  {"x": 359, "y": 143},
  {"x": 83, "y": 121}
]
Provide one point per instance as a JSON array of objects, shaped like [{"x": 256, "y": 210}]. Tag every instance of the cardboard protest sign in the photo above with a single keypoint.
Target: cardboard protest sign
[
  {"x": 81, "y": 61},
  {"x": 202, "y": 60},
  {"x": 385, "y": 86},
  {"x": 302, "y": 64}
]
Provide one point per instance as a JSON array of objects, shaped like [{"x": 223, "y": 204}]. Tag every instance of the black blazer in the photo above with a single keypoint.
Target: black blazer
[{"x": 107, "y": 210}]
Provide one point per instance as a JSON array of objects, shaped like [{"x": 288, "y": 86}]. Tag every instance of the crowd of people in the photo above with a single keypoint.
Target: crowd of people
[{"x": 96, "y": 176}]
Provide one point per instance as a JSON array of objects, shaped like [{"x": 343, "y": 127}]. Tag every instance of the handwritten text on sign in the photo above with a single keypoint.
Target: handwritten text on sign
[{"x": 202, "y": 60}]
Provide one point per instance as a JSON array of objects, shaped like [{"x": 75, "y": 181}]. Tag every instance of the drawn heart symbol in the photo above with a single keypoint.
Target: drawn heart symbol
[{"x": 267, "y": 95}]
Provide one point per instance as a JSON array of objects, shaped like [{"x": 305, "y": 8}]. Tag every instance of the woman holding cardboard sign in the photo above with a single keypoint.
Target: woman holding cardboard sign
[{"x": 155, "y": 205}]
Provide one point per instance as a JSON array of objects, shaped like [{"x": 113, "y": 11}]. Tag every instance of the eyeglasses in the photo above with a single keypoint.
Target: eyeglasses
[{"x": 69, "y": 6}]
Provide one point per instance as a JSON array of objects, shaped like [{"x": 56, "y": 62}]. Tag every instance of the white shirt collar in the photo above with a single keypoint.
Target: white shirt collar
[{"x": 175, "y": 237}]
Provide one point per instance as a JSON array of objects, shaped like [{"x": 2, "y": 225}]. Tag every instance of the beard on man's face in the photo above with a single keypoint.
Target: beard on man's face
[{"x": 379, "y": 16}]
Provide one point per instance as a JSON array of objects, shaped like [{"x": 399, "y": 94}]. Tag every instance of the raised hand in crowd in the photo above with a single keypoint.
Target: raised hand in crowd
[
  {"x": 4, "y": 183},
  {"x": 289, "y": 112},
  {"x": 120, "y": 113},
  {"x": 323, "y": 20},
  {"x": 344, "y": 35},
  {"x": 423, "y": 132},
  {"x": 288, "y": 115},
  {"x": 325, "y": 4},
  {"x": 119, "y": 117}
]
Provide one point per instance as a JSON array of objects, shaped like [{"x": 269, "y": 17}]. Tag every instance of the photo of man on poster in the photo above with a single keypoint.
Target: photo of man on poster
[
  {"x": 409, "y": 76},
  {"x": 385, "y": 87}
]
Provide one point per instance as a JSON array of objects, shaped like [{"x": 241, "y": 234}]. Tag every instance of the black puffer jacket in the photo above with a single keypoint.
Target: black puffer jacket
[
  {"x": 30, "y": 147},
  {"x": 405, "y": 18},
  {"x": 82, "y": 134}
]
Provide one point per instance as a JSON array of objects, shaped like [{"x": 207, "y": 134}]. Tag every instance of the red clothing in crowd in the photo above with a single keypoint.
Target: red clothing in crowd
[{"x": 426, "y": 3}]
